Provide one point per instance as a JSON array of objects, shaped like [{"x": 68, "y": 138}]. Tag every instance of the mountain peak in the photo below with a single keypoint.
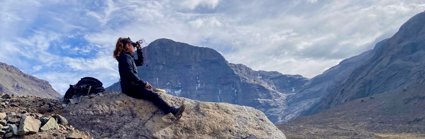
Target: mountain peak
[
  {"x": 14, "y": 81},
  {"x": 165, "y": 42},
  {"x": 169, "y": 51},
  {"x": 162, "y": 41},
  {"x": 414, "y": 27}
]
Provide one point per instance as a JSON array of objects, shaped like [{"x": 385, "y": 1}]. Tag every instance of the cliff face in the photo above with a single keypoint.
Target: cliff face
[
  {"x": 320, "y": 86},
  {"x": 203, "y": 74},
  {"x": 378, "y": 94},
  {"x": 286, "y": 84},
  {"x": 13, "y": 81},
  {"x": 117, "y": 116},
  {"x": 396, "y": 63}
]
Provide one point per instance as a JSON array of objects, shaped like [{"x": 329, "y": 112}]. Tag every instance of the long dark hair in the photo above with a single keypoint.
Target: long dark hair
[{"x": 120, "y": 47}]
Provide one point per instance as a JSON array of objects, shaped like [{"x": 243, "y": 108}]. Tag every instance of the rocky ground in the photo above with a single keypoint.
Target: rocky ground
[
  {"x": 113, "y": 115},
  {"x": 379, "y": 116},
  {"x": 34, "y": 117}
]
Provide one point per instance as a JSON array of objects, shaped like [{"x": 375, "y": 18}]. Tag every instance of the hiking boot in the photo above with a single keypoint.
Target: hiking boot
[{"x": 179, "y": 112}]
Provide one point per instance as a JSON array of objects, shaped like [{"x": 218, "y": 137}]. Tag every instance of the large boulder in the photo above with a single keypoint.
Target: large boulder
[
  {"x": 117, "y": 115},
  {"x": 60, "y": 119},
  {"x": 13, "y": 128},
  {"x": 2, "y": 115},
  {"x": 28, "y": 125},
  {"x": 50, "y": 124}
]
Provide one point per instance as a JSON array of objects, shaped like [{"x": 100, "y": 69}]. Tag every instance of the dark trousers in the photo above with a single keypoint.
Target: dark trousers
[{"x": 140, "y": 92}]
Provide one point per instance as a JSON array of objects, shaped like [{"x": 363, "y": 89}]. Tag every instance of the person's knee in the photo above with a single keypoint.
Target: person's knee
[
  {"x": 156, "y": 95},
  {"x": 150, "y": 94}
]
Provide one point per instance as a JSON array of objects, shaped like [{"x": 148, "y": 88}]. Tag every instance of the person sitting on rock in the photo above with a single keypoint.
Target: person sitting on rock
[{"x": 131, "y": 84}]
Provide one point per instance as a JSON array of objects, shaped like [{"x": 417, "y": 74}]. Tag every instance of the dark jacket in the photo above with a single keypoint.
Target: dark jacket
[{"x": 127, "y": 66}]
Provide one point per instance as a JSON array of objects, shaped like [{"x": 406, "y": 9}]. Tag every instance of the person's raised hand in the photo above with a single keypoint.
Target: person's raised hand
[
  {"x": 148, "y": 86},
  {"x": 140, "y": 43}
]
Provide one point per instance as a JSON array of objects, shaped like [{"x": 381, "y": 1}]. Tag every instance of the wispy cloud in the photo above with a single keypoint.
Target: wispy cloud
[
  {"x": 64, "y": 40},
  {"x": 193, "y": 4}
]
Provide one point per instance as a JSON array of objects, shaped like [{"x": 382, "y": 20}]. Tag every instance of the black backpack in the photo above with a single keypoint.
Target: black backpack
[{"x": 84, "y": 87}]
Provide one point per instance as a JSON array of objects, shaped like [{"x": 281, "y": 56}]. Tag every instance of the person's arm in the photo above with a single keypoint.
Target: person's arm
[
  {"x": 127, "y": 68},
  {"x": 139, "y": 61}
]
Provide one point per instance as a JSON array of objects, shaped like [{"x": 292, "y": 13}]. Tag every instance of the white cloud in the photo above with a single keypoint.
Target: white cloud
[
  {"x": 329, "y": 32},
  {"x": 206, "y": 23},
  {"x": 312, "y": 1},
  {"x": 192, "y": 4}
]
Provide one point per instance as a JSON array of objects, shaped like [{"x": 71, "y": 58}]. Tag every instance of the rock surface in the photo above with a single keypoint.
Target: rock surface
[
  {"x": 14, "y": 81},
  {"x": 61, "y": 120},
  {"x": 50, "y": 124},
  {"x": 119, "y": 116},
  {"x": 25, "y": 119},
  {"x": 28, "y": 125},
  {"x": 271, "y": 79},
  {"x": 203, "y": 74},
  {"x": 319, "y": 87}
]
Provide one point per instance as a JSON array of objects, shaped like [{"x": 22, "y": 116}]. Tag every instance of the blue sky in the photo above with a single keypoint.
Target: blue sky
[{"x": 62, "y": 41}]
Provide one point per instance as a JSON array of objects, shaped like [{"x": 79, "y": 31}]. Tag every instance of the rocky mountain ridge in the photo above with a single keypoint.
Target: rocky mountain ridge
[
  {"x": 13, "y": 81},
  {"x": 397, "y": 62},
  {"x": 274, "y": 80},
  {"x": 393, "y": 63},
  {"x": 319, "y": 87},
  {"x": 381, "y": 95}
]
